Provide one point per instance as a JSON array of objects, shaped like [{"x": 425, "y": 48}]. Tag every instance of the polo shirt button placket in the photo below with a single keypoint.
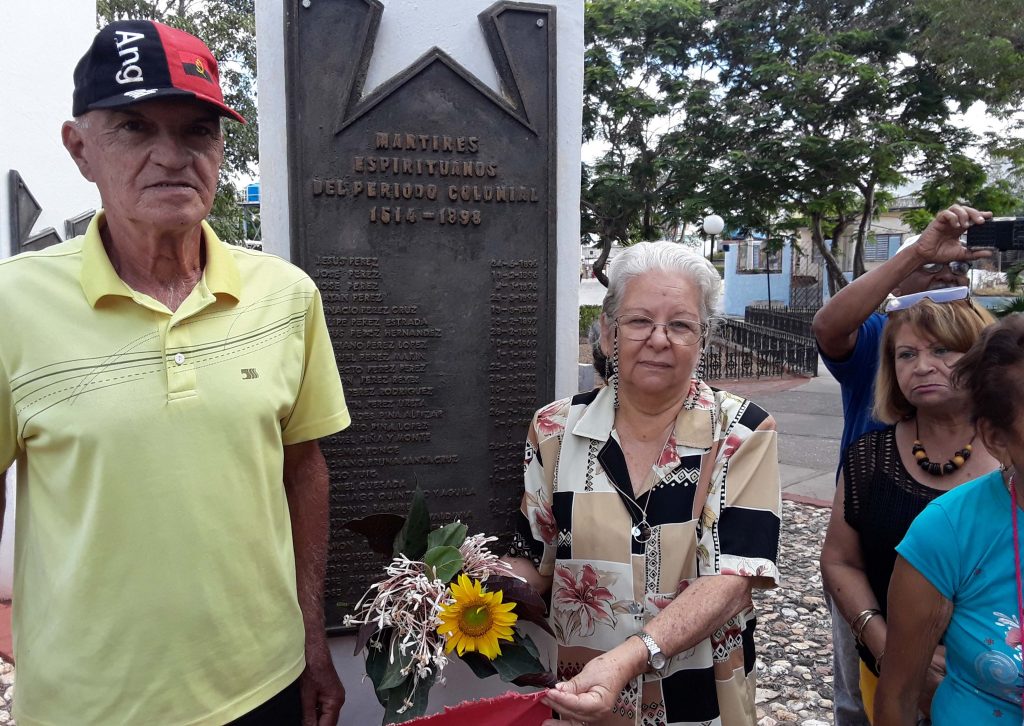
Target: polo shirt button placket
[{"x": 181, "y": 371}]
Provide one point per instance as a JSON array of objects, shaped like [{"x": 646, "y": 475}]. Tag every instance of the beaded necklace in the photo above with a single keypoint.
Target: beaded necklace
[{"x": 933, "y": 467}]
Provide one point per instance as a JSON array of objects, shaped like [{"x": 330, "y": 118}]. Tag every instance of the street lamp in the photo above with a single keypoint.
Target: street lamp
[{"x": 713, "y": 224}]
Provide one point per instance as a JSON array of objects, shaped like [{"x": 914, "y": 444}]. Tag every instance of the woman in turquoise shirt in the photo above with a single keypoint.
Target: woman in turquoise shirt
[{"x": 958, "y": 573}]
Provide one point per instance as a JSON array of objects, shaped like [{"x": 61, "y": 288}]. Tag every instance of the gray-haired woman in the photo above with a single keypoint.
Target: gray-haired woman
[{"x": 651, "y": 511}]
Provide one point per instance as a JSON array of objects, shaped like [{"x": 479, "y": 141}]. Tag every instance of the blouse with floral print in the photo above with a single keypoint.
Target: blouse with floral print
[{"x": 576, "y": 523}]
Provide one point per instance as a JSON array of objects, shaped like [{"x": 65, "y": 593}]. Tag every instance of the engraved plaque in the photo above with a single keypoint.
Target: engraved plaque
[{"x": 424, "y": 211}]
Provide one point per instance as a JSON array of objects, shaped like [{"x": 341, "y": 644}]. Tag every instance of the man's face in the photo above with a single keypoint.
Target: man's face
[
  {"x": 920, "y": 280},
  {"x": 155, "y": 163}
]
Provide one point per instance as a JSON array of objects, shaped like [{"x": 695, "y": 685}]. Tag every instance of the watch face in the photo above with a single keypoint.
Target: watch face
[{"x": 658, "y": 661}]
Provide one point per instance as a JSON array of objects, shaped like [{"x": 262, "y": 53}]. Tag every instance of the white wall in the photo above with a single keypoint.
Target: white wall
[
  {"x": 41, "y": 43},
  {"x": 394, "y": 51}
]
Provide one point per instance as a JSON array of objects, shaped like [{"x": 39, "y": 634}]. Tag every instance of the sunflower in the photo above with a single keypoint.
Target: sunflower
[{"x": 476, "y": 620}]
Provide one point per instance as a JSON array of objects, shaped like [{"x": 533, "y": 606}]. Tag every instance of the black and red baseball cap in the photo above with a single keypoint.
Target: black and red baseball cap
[{"x": 131, "y": 61}]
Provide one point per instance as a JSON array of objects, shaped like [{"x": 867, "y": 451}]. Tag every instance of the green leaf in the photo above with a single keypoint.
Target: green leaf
[
  {"x": 411, "y": 540},
  {"x": 453, "y": 535},
  {"x": 518, "y": 660},
  {"x": 396, "y": 698},
  {"x": 540, "y": 679},
  {"x": 393, "y": 675},
  {"x": 444, "y": 561},
  {"x": 377, "y": 663},
  {"x": 366, "y": 631},
  {"x": 481, "y": 666}
]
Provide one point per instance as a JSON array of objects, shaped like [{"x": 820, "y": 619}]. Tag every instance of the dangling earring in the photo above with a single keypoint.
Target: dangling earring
[
  {"x": 615, "y": 371},
  {"x": 702, "y": 363},
  {"x": 1003, "y": 467}
]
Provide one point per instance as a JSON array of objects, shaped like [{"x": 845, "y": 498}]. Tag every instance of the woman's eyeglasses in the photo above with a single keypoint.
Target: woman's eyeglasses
[
  {"x": 678, "y": 332},
  {"x": 957, "y": 267},
  {"x": 945, "y": 295}
]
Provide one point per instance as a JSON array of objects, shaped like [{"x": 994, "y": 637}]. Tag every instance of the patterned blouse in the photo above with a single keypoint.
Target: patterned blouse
[{"x": 575, "y": 525}]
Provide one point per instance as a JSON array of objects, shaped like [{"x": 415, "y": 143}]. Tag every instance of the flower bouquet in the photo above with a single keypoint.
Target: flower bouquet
[{"x": 443, "y": 591}]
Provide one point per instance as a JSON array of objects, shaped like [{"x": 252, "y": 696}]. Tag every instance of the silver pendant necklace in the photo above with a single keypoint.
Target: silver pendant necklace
[{"x": 642, "y": 531}]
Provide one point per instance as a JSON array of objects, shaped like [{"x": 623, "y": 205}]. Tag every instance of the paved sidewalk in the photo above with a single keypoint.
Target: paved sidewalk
[{"x": 809, "y": 414}]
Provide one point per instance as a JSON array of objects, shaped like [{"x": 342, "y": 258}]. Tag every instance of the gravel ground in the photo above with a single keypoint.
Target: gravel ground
[
  {"x": 794, "y": 637},
  {"x": 7, "y": 688},
  {"x": 794, "y": 633}
]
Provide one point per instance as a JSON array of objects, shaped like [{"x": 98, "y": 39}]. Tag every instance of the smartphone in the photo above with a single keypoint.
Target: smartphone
[{"x": 1003, "y": 233}]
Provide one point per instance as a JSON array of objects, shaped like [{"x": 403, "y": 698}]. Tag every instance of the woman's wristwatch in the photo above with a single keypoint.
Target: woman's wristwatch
[{"x": 656, "y": 660}]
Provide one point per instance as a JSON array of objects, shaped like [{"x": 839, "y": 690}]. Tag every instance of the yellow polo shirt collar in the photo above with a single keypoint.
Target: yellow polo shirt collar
[{"x": 99, "y": 278}]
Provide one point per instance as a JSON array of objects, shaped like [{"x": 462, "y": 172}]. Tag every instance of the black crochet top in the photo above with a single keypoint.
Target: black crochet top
[{"x": 882, "y": 499}]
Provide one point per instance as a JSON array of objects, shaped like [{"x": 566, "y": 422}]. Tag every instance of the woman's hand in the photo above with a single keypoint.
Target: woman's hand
[{"x": 591, "y": 695}]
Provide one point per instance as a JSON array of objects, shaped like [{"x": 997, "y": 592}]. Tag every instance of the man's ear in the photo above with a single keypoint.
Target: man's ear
[
  {"x": 995, "y": 441},
  {"x": 74, "y": 141}
]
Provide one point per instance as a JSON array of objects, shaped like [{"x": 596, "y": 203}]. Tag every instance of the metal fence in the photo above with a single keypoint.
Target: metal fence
[
  {"x": 724, "y": 361},
  {"x": 786, "y": 320},
  {"x": 744, "y": 350}
]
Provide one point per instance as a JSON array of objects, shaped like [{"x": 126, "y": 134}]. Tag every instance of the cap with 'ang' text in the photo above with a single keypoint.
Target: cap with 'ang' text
[{"x": 131, "y": 61}]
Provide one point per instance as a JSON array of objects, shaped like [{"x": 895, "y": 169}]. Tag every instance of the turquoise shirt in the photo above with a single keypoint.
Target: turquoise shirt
[{"x": 962, "y": 543}]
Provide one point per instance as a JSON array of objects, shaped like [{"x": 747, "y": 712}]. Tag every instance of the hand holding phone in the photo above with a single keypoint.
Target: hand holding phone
[{"x": 1002, "y": 233}]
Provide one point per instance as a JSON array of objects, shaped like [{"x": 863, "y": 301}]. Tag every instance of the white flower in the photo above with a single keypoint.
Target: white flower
[{"x": 409, "y": 602}]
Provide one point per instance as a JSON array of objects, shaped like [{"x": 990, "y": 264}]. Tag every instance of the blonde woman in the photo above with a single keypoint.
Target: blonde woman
[{"x": 929, "y": 447}]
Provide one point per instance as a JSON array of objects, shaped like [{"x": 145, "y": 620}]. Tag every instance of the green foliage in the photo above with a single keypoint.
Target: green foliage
[
  {"x": 392, "y": 688},
  {"x": 588, "y": 316},
  {"x": 1013, "y": 273},
  {"x": 768, "y": 112},
  {"x": 411, "y": 540},
  {"x": 518, "y": 659},
  {"x": 1016, "y": 305},
  {"x": 228, "y": 27},
  {"x": 450, "y": 535},
  {"x": 636, "y": 70},
  {"x": 917, "y": 219},
  {"x": 443, "y": 562}
]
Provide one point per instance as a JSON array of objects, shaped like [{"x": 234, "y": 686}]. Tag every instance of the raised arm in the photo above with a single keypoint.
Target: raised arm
[
  {"x": 842, "y": 571},
  {"x": 307, "y": 488},
  {"x": 918, "y": 616},
  {"x": 835, "y": 325}
]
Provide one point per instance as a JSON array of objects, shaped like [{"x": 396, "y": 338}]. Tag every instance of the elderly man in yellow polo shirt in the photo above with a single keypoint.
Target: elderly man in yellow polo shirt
[{"x": 162, "y": 394}]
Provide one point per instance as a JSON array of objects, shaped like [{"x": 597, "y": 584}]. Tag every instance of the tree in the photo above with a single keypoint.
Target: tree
[
  {"x": 228, "y": 27},
  {"x": 637, "y": 64},
  {"x": 807, "y": 109}
]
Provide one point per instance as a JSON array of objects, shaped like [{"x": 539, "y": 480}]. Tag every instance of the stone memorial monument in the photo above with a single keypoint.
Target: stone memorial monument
[
  {"x": 424, "y": 212},
  {"x": 427, "y": 204}
]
